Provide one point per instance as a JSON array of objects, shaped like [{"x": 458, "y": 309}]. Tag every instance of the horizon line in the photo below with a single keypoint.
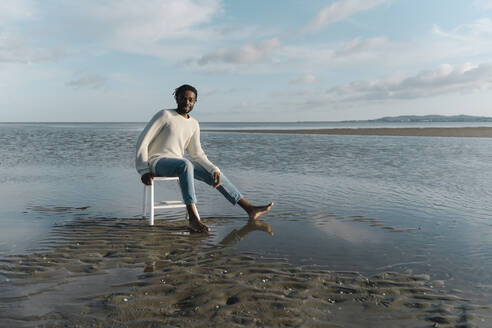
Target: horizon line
[{"x": 235, "y": 122}]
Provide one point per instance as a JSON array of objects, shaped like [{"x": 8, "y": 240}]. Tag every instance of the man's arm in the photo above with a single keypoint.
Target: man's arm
[
  {"x": 196, "y": 152},
  {"x": 142, "y": 149}
]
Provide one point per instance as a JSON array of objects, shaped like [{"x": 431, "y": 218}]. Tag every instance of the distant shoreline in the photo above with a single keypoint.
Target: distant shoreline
[{"x": 467, "y": 132}]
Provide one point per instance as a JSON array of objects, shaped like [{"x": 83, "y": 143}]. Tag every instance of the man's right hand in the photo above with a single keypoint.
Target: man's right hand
[{"x": 147, "y": 179}]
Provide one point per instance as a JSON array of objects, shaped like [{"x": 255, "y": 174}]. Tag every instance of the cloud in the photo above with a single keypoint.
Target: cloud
[
  {"x": 304, "y": 79},
  {"x": 358, "y": 45},
  {"x": 15, "y": 49},
  {"x": 163, "y": 28},
  {"x": 481, "y": 29},
  {"x": 88, "y": 81},
  {"x": 445, "y": 79},
  {"x": 14, "y": 46},
  {"x": 144, "y": 20},
  {"x": 156, "y": 19},
  {"x": 245, "y": 54},
  {"x": 465, "y": 42},
  {"x": 378, "y": 93},
  {"x": 340, "y": 10},
  {"x": 16, "y": 10},
  {"x": 358, "y": 51},
  {"x": 483, "y": 4}
]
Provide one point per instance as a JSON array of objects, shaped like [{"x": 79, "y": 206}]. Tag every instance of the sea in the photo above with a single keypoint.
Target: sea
[{"x": 342, "y": 202}]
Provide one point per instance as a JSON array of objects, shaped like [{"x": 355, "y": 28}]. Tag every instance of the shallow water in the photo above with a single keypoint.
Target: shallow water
[{"x": 369, "y": 204}]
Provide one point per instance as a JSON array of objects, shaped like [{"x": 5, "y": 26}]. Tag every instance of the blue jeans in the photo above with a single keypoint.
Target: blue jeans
[{"x": 187, "y": 171}]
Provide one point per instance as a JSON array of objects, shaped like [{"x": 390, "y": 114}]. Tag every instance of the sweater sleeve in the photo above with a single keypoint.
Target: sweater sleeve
[
  {"x": 196, "y": 152},
  {"x": 145, "y": 138}
]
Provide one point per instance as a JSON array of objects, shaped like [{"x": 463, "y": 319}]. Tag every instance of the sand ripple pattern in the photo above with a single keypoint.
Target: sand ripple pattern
[{"x": 121, "y": 273}]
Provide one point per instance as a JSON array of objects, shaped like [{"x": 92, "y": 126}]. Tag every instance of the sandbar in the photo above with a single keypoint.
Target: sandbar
[{"x": 469, "y": 132}]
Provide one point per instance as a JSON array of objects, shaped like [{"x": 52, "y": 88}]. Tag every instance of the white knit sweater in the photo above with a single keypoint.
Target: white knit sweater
[{"x": 168, "y": 134}]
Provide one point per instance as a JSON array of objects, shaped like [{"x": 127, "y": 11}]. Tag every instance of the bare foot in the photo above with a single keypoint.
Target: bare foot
[
  {"x": 197, "y": 226},
  {"x": 255, "y": 211}
]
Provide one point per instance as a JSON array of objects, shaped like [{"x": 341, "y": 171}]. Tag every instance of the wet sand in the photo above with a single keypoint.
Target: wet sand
[
  {"x": 471, "y": 132},
  {"x": 120, "y": 272}
]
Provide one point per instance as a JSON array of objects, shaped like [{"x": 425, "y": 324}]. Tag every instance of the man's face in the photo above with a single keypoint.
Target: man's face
[{"x": 186, "y": 101}]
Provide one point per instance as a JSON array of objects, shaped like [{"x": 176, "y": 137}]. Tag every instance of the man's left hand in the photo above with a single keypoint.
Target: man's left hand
[{"x": 216, "y": 176}]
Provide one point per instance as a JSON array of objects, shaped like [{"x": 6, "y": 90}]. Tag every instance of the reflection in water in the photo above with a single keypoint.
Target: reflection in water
[
  {"x": 174, "y": 229},
  {"x": 56, "y": 209},
  {"x": 236, "y": 235}
]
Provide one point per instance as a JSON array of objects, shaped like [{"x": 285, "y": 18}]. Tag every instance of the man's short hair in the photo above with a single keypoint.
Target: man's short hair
[{"x": 182, "y": 89}]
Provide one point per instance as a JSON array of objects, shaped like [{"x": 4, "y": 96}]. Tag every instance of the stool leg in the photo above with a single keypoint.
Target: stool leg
[
  {"x": 152, "y": 204},
  {"x": 145, "y": 203}
]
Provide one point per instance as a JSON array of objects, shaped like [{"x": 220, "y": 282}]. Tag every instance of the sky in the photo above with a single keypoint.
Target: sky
[{"x": 269, "y": 60}]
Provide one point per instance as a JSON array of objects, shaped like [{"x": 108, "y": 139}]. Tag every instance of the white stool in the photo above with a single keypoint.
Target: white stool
[{"x": 162, "y": 204}]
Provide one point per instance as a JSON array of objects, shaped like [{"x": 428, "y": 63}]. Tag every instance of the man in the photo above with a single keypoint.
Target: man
[{"x": 160, "y": 151}]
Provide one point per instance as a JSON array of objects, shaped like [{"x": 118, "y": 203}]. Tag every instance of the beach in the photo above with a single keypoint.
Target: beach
[
  {"x": 470, "y": 132},
  {"x": 112, "y": 272},
  {"x": 385, "y": 231}
]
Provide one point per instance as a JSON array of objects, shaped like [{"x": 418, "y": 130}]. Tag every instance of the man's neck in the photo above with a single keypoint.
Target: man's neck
[{"x": 185, "y": 115}]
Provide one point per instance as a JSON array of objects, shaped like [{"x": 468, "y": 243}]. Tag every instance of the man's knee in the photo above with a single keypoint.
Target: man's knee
[{"x": 186, "y": 166}]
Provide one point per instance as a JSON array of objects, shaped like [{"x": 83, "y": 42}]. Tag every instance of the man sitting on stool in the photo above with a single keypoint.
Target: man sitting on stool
[{"x": 160, "y": 151}]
